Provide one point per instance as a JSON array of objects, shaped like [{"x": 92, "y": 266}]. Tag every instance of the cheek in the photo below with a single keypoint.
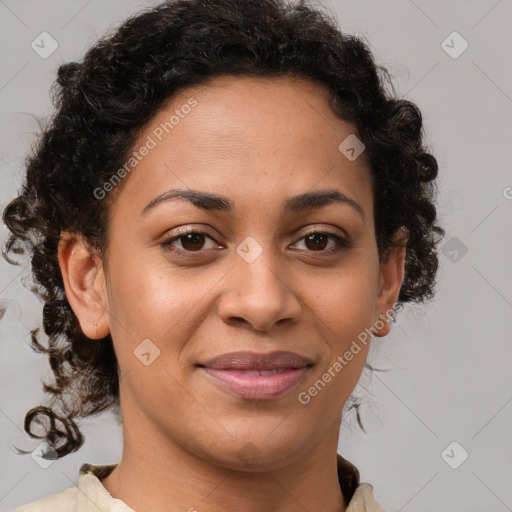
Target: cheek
[
  {"x": 151, "y": 301},
  {"x": 347, "y": 298},
  {"x": 346, "y": 319},
  {"x": 344, "y": 310},
  {"x": 142, "y": 288}
]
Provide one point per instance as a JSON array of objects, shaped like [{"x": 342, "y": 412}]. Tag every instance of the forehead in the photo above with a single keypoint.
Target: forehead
[{"x": 254, "y": 139}]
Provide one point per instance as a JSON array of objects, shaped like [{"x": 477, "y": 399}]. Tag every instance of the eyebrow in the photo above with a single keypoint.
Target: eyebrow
[{"x": 300, "y": 203}]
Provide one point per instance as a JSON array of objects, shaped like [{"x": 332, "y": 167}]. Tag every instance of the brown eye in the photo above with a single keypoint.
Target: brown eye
[
  {"x": 190, "y": 242},
  {"x": 316, "y": 241}
]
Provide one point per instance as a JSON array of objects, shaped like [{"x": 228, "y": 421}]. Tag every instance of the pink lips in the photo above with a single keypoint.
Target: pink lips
[{"x": 256, "y": 376}]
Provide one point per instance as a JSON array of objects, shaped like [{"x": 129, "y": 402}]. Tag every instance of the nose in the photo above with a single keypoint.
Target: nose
[{"x": 258, "y": 295}]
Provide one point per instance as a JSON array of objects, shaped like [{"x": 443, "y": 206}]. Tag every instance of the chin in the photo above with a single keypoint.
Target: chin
[{"x": 252, "y": 453}]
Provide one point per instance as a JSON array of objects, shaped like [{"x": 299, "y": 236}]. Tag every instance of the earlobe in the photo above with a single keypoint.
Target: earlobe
[
  {"x": 84, "y": 283},
  {"x": 392, "y": 270}
]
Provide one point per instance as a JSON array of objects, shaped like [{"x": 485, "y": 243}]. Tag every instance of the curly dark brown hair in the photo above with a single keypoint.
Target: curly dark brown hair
[{"x": 103, "y": 102}]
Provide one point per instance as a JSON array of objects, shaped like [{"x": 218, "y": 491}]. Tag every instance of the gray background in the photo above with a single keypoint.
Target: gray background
[{"x": 449, "y": 379}]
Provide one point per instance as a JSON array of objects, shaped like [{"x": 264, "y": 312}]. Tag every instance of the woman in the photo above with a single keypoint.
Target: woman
[{"x": 226, "y": 208}]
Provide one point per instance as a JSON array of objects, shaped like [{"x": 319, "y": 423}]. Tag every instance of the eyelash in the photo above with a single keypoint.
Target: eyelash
[{"x": 343, "y": 244}]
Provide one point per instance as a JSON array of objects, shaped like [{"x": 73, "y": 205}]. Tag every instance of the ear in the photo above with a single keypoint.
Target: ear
[
  {"x": 390, "y": 281},
  {"x": 84, "y": 283}
]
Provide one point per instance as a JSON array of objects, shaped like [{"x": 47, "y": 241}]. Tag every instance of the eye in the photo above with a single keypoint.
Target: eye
[
  {"x": 317, "y": 241},
  {"x": 194, "y": 241},
  {"x": 190, "y": 241}
]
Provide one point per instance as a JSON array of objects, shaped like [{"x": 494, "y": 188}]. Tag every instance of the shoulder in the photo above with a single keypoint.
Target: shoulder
[
  {"x": 363, "y": 500},
  {"x": 78, "y": 498},
  {"x": 61, "y": 502},
  {"x": 358, "y": 495}
]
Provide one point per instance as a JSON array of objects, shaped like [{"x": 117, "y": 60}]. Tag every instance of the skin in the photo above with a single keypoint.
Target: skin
[{"x": 257, "y": 142}]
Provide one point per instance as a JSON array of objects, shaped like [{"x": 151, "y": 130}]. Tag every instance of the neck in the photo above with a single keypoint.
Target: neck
[{"x": 158, "y": 476}]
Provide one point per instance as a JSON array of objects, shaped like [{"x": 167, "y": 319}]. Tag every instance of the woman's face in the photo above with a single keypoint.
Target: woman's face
[{"x": 253, "y": 278}]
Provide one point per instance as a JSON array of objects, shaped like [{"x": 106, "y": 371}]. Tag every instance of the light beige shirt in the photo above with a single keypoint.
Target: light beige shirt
[{"x": 91, "y": 495}]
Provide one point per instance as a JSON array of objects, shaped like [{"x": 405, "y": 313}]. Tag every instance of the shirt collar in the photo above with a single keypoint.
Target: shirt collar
[{"x": 92, "y": 495}]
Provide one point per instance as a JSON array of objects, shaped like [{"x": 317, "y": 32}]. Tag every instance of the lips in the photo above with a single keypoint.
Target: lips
[
  {"x": 245, "y": 360},
  {"x": 254, "y": 376}
]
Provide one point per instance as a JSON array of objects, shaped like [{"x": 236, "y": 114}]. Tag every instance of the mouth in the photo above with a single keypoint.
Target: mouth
[
  {"x": 258, "y": 384},
  {"x": 254, "y": 376}
]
